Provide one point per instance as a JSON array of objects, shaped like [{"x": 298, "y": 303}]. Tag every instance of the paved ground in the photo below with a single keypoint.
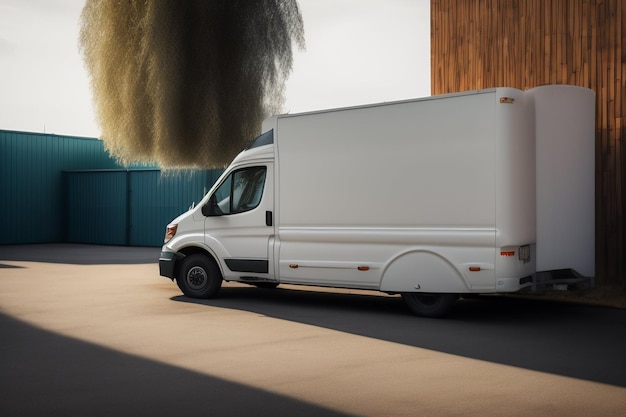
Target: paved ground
[{"x": 92, "y": 330}]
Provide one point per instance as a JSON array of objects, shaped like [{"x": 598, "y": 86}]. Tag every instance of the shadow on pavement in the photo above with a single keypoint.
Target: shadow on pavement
[
  {"x": 564, "y": 339},
  {"x": 73, "y": 378},
  {"x": 79, "y": 254}
]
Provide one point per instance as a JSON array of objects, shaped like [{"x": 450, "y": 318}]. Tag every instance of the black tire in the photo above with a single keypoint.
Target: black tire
[
  {"x": 199, "y": 276},
  {"x": 429, "y": 304}
]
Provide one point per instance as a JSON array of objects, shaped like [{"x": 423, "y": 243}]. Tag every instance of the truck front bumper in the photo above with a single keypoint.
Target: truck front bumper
[{"x": 167, "y": 263}]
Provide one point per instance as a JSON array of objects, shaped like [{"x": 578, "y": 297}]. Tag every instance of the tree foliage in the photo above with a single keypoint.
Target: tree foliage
[{"x": 186, "y": 83}]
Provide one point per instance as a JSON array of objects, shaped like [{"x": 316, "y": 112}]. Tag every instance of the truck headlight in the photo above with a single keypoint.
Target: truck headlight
[{"x": 170, "y": 231}]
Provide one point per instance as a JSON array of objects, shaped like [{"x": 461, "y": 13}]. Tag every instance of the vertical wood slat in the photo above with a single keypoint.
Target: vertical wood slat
[{"x": 526, "y": 43}]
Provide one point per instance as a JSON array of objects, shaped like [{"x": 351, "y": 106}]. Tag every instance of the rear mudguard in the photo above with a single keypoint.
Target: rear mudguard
[{"x": 422, "y": 271}]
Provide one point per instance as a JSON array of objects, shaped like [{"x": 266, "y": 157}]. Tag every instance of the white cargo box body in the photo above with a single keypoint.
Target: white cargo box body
[
  {"x": 463, "y": 193},
  {"x": 429, "y": 195}
]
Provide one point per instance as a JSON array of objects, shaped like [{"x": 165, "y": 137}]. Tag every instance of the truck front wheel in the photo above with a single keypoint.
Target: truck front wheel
[
  {"x": 429, "y": 305},
  {"x": 199, "y": 277}
]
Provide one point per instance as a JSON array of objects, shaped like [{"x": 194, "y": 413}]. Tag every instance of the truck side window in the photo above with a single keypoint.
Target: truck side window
[{"x": 241, "y": 191}]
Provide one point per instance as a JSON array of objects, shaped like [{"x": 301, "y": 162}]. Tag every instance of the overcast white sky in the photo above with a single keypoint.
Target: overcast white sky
[{"x": 358, "y": 52}]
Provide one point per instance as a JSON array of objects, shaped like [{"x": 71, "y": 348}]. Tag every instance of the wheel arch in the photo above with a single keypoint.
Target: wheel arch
[
  {"x": 422, "y": 270},
  {"x": 193, "y": 250}
]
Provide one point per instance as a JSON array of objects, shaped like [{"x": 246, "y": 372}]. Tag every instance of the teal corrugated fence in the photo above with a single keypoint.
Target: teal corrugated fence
[
  {"x": 32, "y": 201},
  {"x": 129, "y": 207},
  {"x": 68, "y": 189}
]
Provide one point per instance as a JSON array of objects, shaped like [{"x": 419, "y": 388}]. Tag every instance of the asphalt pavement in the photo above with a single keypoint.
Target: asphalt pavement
[{"x": 94, "y": 330}]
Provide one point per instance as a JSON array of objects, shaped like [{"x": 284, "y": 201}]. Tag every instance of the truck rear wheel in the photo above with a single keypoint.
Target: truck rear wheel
[
  {"x": 199, "y": 277},
  {"x": 429, "y": 304}
]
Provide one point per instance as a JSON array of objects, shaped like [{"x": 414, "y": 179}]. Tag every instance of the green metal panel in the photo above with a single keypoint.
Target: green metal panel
[
  {"x": 158, "y": 198},
  {"x": 97, "y": 207},
  {"x": 129, "y": 207},
  {"x": 32, "y": 206},
  {"x": 67, "y": 189}
]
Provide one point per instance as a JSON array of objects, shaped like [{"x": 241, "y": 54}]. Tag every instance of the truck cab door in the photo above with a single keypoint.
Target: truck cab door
[{"x": 239, "y": 224}]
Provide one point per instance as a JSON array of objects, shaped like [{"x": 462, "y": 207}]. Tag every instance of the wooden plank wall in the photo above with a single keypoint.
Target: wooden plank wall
[{"x": 526, "y": 43}]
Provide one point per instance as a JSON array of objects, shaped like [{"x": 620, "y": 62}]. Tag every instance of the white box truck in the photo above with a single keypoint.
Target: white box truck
[{"x": 431, "y": 198}]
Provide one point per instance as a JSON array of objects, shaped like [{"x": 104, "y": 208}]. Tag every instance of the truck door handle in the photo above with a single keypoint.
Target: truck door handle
[{"x": 268, "y": 218}]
